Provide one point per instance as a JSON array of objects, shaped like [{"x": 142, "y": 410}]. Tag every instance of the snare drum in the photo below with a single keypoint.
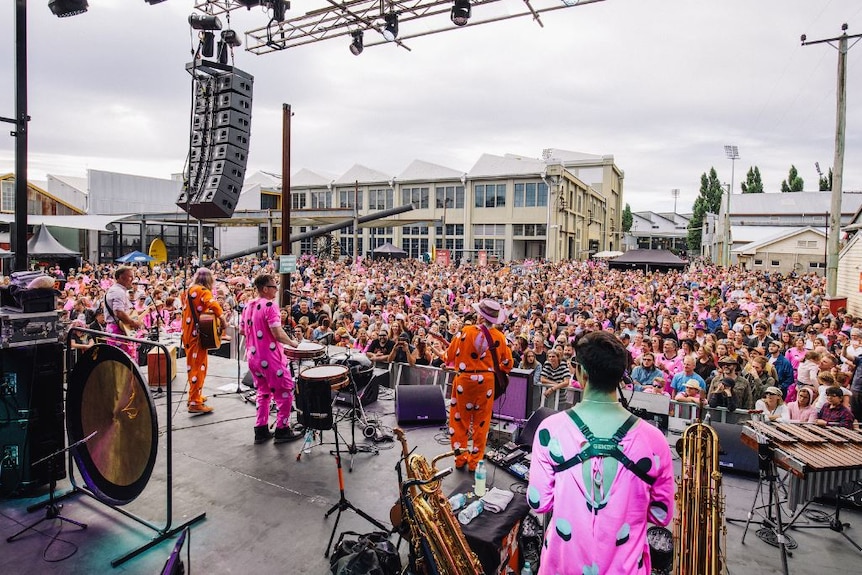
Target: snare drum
[
  {"x": 313, "y": 394},
  {"x": 305, "y": 350}
]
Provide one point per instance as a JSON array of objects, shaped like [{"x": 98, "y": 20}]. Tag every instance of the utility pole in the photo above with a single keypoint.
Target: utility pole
[{"x": 832, "y": 243}]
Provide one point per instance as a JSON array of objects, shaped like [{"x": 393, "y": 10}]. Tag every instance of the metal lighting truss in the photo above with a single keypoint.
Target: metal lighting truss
[{"x": 336, "y": 19}]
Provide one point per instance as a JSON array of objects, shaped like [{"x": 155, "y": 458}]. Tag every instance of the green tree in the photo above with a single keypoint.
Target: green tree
[
  {"x": 752, "y": 184},
  {"x": 708, "y": 201},
  {"x": 826, "y": 182},
  {"x": 793, "y": 183},
  {"x": 628, "y": 219}
]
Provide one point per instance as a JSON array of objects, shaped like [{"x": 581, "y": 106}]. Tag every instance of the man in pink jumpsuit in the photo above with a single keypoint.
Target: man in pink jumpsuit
[{"x": 264, "y": 336}]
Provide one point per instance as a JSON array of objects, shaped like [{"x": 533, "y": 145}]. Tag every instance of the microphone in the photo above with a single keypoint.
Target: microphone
[{"x": 323, "y": 337}]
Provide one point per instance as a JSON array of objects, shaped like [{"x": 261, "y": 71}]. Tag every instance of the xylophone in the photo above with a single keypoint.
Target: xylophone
[{"x": 819, "y": 459}]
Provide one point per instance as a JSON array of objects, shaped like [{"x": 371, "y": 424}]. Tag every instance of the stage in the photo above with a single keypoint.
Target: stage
[{"x": 265, "y": 510}]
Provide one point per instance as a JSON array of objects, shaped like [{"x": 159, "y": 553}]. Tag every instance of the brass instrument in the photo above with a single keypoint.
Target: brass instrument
[
  {"x": 433, "y": 526},
  {"x": 699, "y": 530}
]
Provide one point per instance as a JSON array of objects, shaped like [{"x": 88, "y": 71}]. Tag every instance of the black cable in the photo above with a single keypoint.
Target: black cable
[{"x": 54, "y": 539}]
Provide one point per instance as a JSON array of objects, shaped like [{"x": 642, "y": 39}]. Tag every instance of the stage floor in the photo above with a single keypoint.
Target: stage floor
[{"x": 264, "y": 509}]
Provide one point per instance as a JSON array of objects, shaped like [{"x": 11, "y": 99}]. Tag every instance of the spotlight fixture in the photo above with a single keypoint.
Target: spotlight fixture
[
  {"x": 204, "y": 22},
  {"x": 279, "y": 8},
  {"x": 231, "y": 38},
  {"x": 207, "y": 44},
  {"x": 460, "y": 12},
  {"x": 357, "y": 44},
  {"x": 66, "y": 8},
  {"x": 390, "y": 32}
]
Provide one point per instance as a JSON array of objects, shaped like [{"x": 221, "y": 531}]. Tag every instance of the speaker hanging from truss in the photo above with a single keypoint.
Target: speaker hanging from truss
[{"x": 221, "y": 126}]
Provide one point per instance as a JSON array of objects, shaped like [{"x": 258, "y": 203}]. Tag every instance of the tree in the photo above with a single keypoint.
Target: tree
[
  {"x": 708, "y": 201},
  {"x": 793, "y": 183},
  {"x": 752, "y": 184},
  {"x": 826, "y": 182},
  {"x": 628, "y": 219}
]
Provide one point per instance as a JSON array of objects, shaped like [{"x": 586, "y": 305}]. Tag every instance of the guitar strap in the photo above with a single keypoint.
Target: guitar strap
[{"x": 192, "y": 309}]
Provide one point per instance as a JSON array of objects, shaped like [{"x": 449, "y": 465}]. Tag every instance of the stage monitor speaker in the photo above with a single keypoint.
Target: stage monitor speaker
[
  {"x": 422, "y": 404},
  {"x": 516, "y": 403},
  {"x": 32, "y": 418},
  {"x": 525, "y": 438},
  {"x": 733, "y": 454}
]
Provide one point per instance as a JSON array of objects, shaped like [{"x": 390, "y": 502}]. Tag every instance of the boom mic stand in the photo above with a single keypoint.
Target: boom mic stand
[
  {"x": 245, "y": 393},
  {"x": 52, "y": 508},
  {"x": 353, "y": 449}
]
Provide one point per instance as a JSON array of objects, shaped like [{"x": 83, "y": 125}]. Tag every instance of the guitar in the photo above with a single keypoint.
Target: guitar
[{"x": 209, "y": 331}]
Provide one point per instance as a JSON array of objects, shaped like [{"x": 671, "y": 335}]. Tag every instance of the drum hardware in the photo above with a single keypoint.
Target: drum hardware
[
  {"x": 343, "y": 503},
  {"x": 357, "y": 414},
  {"x": 52, "y": 508},
  {"x": 102, "y": 372}
]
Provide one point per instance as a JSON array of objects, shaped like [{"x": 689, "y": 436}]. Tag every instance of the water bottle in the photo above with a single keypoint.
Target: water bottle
[
  {"x": 470, "y": 512},
  {"x": 527, "y": 570},
  {"x": 481, "y": 474},
  {"x": 457, "y": 501},
  {"x": 309, "y": 437}
]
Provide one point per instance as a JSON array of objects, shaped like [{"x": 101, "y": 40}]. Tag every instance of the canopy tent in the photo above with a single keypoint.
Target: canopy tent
[
  {"x": 606, "y": 255},
  {"x": 43, "y": 244},
  {"x": 649, "y": 260},
  {"x": 388, "y": 250},
  {"x": 135, "y": 257}
]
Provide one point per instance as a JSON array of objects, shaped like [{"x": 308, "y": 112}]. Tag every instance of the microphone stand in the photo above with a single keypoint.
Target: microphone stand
[{"x": 245, "y": 393}]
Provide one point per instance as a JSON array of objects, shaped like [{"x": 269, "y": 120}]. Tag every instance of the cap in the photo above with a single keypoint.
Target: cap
[
  {"x": 727, "y": 360},
  {"x": 773, "y": 391},
  {"x": 692, "y": 384},
  {"x": 699, "y": 325}
]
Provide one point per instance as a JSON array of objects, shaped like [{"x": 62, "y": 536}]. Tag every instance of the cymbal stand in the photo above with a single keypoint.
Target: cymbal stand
[
  {"x": 52, "y": 508},
  {"x": 343, "y": 503},
  {"x": 352, "y": 448}
]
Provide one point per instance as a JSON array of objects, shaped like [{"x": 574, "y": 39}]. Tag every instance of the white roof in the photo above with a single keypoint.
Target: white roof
[
  {"x": 420, "y": 171},
  {"x": 790, "y": 203},
  {"x": 82, "y": 222},
  {"x": 490, "y": 166},
  {"x": 306, "y": 178},
  {"x": 79, "y": 184},
  {"x": 362, "y": 174},
  {"x": 751, "y": 247},
  {"x": 264, "y": 179},
  {"x": 552, "y": 155}
]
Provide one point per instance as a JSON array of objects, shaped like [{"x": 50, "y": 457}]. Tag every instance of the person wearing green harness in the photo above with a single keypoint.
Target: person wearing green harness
[{"x": 602, "y": 473}]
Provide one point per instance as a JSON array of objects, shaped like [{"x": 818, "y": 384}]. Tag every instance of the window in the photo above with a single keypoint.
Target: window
[
  {"x": 298, "y": 200},
  {"x": 451, "y": 230},
  {"x": 806, "y": 243},
  {"x": 416, "y": 196},
  {"x": 454, "y": 195},
  {"x": 345, "y": 199},
  {"x": 380, "y": 199},
  {"x": 775, "y": 263},
  {"x": 346, "y": 242},
  {"x": 531, "y": 195},
  {"x": 817, "y": 265},
  {"x": 306, "y": 246},
  {"x": 490, "y": 196},
  {"x": 269, "y": 202},
  {"x": 415, "y": 247},
  {"x": 529, "y": 230},
  {"x": 420, "y": 230},
  {"x": 489, "y": 229},
  {"x": 491, "y": 246},
  {"x": 7, "y": 196},
  {"x": 758, "y": 262},
  {"x": 321, "y": 201}
]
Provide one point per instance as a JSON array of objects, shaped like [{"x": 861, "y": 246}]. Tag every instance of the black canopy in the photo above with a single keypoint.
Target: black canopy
[
  {"x": 649, "y": 260},
  {"x": 388, "y": 250}
]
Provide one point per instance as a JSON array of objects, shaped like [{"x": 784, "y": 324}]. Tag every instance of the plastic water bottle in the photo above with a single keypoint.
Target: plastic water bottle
[
  {"x": 457, "y": 501},
  {"x": 527, "y": 570},
  {"x": 309, "y": 437},
  {"x": 481, "y": 474},
  {"x": 470, "y": 512}
]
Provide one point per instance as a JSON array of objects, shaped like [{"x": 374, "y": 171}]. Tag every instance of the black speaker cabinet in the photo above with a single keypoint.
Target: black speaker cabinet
[
  {"x": 420, "y": 404},
  {"x": 734, "y": 455},
  {"x": 526, "y": 436},
  {"x": 367, "y": 394},
  {"x": 32, "y": 418}
]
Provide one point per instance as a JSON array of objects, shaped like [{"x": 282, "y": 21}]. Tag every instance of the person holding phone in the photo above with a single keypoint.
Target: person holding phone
[{"x": 402, "y": 351}]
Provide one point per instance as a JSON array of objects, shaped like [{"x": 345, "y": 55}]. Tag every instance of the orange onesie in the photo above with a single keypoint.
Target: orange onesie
[
  {"x": 196, "y": 356},
  {"x": 473, "y": 389}
]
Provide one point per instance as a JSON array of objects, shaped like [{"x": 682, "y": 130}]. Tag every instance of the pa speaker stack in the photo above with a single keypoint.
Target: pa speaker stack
[{"x": 221, "y": 125}]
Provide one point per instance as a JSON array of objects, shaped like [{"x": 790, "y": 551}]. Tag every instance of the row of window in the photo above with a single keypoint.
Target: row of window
[{"x": 777, "y": 263}]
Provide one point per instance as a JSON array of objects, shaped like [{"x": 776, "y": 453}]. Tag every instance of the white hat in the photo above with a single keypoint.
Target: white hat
[
  {"x": 491, "y": 311},
  {"x": 692, "y": 384}
]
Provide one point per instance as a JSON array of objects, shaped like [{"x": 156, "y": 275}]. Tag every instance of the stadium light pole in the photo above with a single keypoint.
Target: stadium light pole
[{"x": 732, "y": 153}]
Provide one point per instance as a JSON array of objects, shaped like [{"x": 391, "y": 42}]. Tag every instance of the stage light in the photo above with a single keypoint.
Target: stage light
[
  {"x": 207, "y": 44},
  {"x": 65, "y": 8},
  {"x": 204, "y": 22},
  {"x": 390, "y": 32},
  {"x": 279, "y": 8},
  {"x": 460, "y": 12},
  {"x": 151, "y": 2},
  {"x": 357, "y": 45},
  {"x": 231, "y": 38}
]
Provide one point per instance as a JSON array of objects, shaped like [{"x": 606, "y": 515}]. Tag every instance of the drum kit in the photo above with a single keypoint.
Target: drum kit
[{"x": 320, "y": 378}]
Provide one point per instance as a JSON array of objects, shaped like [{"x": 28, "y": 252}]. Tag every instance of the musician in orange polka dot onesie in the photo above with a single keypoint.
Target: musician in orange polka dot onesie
[
  {"x": 473, "y": 389},
  {"x": 201, "y": 297}
]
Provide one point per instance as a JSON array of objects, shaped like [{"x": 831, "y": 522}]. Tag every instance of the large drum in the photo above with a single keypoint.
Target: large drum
[
  {"x": 306, "y": 350},
  {"x": 360, "y": 367},
  {"x": 107, "y": 394},
  {"x": 313, "y": 397}
]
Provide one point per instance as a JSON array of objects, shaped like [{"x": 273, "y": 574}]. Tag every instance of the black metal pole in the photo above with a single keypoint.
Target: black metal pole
[{"x": 19, "y": 239}]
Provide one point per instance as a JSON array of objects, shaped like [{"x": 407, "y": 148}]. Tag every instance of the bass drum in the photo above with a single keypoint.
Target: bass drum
[
  {"x": 107, "y": 394},
  {"x": 360, "y": 367}
]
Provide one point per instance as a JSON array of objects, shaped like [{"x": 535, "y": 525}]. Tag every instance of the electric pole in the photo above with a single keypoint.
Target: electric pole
[{"x": 832, "y": 243}]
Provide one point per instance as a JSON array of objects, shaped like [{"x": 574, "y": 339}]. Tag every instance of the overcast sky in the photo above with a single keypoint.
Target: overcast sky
[{"x": 662, "y": 85}]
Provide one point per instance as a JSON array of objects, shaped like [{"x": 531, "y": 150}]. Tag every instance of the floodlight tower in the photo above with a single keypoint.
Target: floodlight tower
[{"x": 732, "y": 153}]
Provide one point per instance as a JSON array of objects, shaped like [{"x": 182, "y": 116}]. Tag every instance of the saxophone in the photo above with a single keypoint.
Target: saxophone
[
  {"x": 436, "y": 535},
  {"x": 699, "y": 530}
]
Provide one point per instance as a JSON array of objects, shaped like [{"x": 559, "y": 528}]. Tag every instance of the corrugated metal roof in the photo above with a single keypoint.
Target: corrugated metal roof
[
  {"x": 79, "y": 184},
  {"x": 791, "y": 203},
  {"x": 421, "y": 171},
  {"x": 363, "y": 175},
  {"x": 491, "y": 166}
]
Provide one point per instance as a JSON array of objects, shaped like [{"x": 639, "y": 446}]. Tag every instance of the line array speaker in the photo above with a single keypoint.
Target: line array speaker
[
  {"x": 32, "y": 418},
  {"x": 221, "y": 125}
]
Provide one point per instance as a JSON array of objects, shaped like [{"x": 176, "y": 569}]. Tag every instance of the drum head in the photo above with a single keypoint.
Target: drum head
[
  {"x": 324, "y": 373},
  {"x": 107, "y": 395}
]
